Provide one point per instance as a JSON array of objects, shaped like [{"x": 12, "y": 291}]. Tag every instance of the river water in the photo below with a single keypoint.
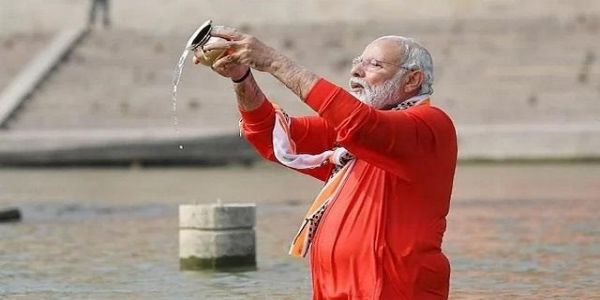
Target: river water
[{"x": 514, "y": 231}]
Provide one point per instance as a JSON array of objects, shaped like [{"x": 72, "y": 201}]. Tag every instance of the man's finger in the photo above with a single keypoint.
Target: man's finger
[
  {"x": 219, "y": 45},
  {"x": 227, "y": 33},
  {"x": 224, "y": 61}
]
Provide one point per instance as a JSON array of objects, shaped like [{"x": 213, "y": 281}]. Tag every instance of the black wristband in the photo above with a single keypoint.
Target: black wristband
[{"x": 242, "y": 78}]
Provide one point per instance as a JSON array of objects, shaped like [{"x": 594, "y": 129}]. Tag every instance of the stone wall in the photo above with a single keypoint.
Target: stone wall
[
  {"x": 158, "y": 15},
  {"x": 522, "y": 65}
]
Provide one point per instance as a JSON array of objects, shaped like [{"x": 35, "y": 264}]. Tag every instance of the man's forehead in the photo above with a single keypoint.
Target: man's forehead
[{"x": 384, "y": 49}]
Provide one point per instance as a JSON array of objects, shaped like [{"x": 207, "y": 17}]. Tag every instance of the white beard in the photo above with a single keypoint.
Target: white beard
[{"x": 383, "y": 96}]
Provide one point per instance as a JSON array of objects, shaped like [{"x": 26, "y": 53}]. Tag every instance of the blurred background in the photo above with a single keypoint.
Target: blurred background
[{"x": 89, "y": 142}]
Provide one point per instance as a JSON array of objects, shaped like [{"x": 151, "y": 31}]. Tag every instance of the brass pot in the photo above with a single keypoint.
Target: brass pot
[
  {"x": 208, "y": 58},
  {"x": 202, "y": 37}
]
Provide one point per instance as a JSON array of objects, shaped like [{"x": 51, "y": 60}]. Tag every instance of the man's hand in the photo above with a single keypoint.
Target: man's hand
[
  {"x": 247, "y": 50},
  {"x": 243, "y": 49},
  {"x": 231, "y": 70}
]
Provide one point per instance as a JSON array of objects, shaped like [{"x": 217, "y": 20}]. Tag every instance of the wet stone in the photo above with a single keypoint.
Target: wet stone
[
  {"x": 236, "y": 262},
  {"x": 217, "y": 236}
]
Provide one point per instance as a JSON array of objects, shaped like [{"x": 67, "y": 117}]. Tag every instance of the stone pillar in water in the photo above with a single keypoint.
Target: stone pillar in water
[{"x": 217, "y": 236}]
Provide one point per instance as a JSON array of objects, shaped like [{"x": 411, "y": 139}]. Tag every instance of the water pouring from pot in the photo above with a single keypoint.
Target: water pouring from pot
[{"x": 197, "y": 40}]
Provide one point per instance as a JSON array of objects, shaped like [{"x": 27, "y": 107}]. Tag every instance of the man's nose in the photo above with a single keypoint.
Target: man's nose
[{"x": 357, "y": 71}]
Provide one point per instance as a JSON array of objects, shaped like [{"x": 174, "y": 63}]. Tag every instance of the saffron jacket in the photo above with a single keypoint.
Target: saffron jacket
[{"x": 381, "y": 237}]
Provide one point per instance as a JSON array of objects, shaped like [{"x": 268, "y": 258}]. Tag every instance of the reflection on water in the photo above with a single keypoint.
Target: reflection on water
[{"x": 112, "y": 233}]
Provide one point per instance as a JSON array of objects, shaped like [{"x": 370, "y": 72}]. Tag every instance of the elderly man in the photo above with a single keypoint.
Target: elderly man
[{"x": 386, "y": 155}]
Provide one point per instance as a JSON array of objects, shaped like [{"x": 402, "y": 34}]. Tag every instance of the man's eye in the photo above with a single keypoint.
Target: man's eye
[{"x": 376, "y": 64}]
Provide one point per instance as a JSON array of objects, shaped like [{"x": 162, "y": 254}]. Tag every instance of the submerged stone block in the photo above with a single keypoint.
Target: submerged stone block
[
  {"x": 217, "y": 236},
  {"x": 193, "y": 263}
]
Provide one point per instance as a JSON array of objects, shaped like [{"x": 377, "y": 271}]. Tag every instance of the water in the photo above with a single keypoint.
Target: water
[
  {"x": 514, "y": 232},
  {"x": 98, "y": 251},
  {"x": 176, "y": 79}
]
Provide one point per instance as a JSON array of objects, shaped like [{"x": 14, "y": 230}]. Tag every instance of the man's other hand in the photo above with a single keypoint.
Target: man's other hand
[
  {"x": 242, "y": 49},
  {"x": 231, "y": 69}
]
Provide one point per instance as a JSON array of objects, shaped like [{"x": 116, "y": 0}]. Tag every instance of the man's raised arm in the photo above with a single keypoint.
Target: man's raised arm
[
  {"x": 248, "y": 93},
  {"x": 251, "y": 52}
]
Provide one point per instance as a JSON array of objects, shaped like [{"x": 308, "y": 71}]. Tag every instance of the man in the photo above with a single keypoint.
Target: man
[
  {"x": 94, "y": 7},
  {"x": 387, "y": 157}
]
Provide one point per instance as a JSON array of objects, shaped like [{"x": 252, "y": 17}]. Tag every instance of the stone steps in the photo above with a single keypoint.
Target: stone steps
[
  {"x": 515, "y": 81},
  {"x": 122, "y": 78}
]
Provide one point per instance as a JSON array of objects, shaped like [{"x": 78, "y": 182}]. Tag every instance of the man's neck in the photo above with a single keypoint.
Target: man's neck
[{"x": 416, "y": 97}]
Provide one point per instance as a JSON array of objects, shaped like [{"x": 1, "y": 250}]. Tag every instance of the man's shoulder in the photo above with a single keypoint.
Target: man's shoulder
[
  {"x": 431, "y": 112},
  {"x": 434, "y": 117}
]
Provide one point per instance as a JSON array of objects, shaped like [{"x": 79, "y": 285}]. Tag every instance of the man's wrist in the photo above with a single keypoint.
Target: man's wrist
[{"x": 243, "y": 77}]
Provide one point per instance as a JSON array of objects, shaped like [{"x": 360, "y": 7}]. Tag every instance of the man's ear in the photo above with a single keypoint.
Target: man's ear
[{"x": 414, "y": 79}]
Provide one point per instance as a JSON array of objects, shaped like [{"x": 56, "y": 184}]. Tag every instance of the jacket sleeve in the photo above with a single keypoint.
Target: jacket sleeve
[
  {"x": 311, "y": 134},
  {"x": 387, "y": 139}
]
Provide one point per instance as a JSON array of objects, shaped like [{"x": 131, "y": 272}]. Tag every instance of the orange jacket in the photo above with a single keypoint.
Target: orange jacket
[{"x": 381, "y": 237}]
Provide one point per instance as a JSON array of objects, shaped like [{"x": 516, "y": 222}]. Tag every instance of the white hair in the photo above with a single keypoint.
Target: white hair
[{"x": 415, "y": 57}]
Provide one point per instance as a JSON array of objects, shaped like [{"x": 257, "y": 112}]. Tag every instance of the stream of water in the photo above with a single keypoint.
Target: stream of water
[{"x": 176, "y": 79}]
